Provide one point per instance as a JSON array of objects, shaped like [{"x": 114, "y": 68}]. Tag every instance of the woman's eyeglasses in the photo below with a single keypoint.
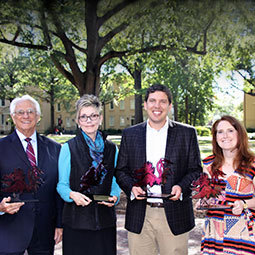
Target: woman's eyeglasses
[{"x": 92, "y": 117}]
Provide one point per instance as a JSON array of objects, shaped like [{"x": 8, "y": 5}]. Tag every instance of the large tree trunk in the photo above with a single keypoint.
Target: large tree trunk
[
  {"x": 175, "y": 105},
  {"x": 91, "y": 83},
  {"x": 52, "y": 107},
  {"x": 138, "y": 97},
  {"x": 186, "y": 109}
]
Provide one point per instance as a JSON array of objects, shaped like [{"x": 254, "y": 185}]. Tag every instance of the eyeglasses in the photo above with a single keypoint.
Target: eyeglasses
[
  {"x": 92, "y": 117},
  {"x": 29, "y": 112}
]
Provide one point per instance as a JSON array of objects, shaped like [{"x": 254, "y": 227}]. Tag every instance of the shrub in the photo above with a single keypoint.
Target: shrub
[
  {"x": 203, "y": 131},
  {"x": 112, "y": 131}
]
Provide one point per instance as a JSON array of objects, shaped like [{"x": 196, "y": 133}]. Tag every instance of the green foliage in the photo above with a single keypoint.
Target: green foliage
[
  {"x": 11, "y": 71},
  {"x": 115, "y": 86},
  {"x": 190, "y": 79},
  {"x": 203, "y": 131},
  {"x": 79, "y": 40}
]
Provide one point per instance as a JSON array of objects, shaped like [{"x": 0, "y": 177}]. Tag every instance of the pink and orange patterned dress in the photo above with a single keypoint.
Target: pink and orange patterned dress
[{"x": 224, "y": 232}]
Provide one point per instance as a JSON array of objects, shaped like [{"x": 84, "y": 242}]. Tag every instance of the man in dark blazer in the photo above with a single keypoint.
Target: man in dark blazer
[
  {"x": 34, "y": 225},
  {"x": 157, "y": 225}
]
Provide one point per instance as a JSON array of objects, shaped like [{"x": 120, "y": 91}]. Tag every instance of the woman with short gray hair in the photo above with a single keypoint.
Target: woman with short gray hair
[{"x": 86, "y": 168}]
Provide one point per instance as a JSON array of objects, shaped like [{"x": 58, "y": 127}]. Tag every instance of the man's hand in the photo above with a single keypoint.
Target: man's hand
[
  {"x": 58, "y": 235},
  {"x": 176, "y": 191},
  {"x": 79, "y": 198},
  {"x": 10, "y": 208},
  {"x": 138, "y": 191}
]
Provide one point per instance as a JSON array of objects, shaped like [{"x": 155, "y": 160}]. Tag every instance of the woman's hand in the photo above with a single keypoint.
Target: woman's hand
[
  {"x": 10, "y": 208},
  {"x": 113, "y": 199},
  {"x": 197, "y": 204},
  {"x": 79, "y": 198},
  {"x": 237, "y": 207}
]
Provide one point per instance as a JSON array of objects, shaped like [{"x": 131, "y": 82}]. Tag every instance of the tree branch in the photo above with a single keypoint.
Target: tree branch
[
  {"x": 124, "y": 63},
  {"x": 16, "y": 34},
  {"x": 104, "y": 40},
  {"x": 24, "y": 45},
  {"x": 62, "y": 70},
  {"x": 70, "y": 55},
  {"x": 250, "y": 81},
  {"x": 122, "y": 26},
  {"x": 119, "y": 54},
  {"x": 113, "y": 11},
  {"x": 194, "y": 48}
]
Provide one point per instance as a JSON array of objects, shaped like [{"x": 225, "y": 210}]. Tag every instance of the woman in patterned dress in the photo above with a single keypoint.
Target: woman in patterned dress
[{"x": 231, "y": 231}]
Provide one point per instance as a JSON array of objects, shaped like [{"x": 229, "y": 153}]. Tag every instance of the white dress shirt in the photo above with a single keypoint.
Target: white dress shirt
[{"x": 155, "y": 150}]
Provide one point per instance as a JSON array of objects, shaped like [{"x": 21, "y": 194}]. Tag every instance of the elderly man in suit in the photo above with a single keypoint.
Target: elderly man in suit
[
  {"x": 167, "y": 154},
  {"x": 30, "y": 208}
]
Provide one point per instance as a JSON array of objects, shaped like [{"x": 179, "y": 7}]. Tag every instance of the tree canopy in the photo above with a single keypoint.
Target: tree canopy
[{"x": 193, "y": 39}]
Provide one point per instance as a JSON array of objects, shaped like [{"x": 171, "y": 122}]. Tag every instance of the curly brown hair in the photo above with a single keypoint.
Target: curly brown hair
[{"x": 244, "y": 157}]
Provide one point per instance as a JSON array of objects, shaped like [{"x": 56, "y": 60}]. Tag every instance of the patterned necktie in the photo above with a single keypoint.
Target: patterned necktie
[{"x": 30, "y": 152}]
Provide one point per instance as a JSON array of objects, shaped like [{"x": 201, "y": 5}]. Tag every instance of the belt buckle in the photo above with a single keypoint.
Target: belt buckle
[{"x": 155, "y": 205}]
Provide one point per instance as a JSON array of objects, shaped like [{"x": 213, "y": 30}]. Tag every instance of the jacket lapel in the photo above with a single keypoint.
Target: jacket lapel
[
  {"x": 18, "y": 148},
  {"x": 143, "y": 141},
  {"x": 41, "y": 150},
  {"x": 171, "y": 136}
]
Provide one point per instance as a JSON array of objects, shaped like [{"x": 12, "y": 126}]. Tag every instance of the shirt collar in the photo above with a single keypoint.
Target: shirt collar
[
  {"x": 162, "y": 129},
  {"x": 22, "y": 137}
]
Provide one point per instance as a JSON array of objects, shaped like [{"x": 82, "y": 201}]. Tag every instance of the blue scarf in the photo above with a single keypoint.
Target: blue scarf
[{"x": 96, "y": 148}]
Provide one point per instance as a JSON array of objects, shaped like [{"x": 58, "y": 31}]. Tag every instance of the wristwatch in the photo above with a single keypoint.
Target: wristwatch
[{"x": 245, "y": 206}]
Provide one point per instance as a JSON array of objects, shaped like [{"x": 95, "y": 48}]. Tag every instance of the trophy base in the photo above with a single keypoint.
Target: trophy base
[
  {"x": 102, "y": 198},
  {"x": 156, "y": 195},
  {"x": 23, "y": 201},
  {"x": 213, "y": 207}
]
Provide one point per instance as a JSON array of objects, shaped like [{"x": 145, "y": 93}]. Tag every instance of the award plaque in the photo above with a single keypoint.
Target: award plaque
[
  {"x": 216, "y": 207},
  {"x": 156, "y": 195},
  {"x": 102, "y": 198},
  {"x": 23, "y": 201}
]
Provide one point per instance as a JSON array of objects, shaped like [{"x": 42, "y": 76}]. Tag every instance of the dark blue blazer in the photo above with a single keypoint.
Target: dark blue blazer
[
  {"x": 183, "y": 152},
  {"x": 16, "y": 230}
]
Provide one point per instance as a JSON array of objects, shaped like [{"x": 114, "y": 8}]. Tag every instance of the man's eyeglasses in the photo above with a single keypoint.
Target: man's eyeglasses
[
  {"x": 92, "y": 117},
  {"x": 29, "y": 112}
]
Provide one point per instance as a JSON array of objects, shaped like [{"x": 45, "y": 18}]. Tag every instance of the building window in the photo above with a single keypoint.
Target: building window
[
  {"x": 122, "y": 105},
  {"x": 111, "y": 121},
  {"x": 122, "y": 121},
  {"x": 68, "y": 122},
  {"x": 111, "y": 105},
  {"x": 132, "y": 104},
  {"x": 2, "y": 102},
  {"x": 58, "y": 107},
  {"x": 2, "y": 120}
]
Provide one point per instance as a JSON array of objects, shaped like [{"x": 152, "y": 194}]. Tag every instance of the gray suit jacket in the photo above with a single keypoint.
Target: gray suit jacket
[{"x": 183, "y": 152}]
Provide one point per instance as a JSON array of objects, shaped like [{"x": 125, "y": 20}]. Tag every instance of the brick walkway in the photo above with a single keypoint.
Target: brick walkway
[{"x": 122, "y": 246}]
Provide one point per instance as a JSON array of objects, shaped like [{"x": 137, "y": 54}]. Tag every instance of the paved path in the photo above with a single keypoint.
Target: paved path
[{"x": 122, "y": 246}]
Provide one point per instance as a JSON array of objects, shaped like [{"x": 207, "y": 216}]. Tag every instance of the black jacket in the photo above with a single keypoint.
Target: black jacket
[
  {"x": 183, "y": 153},
  {"x": 93, "y": 216},
  {"x": 16, "y": 230}
]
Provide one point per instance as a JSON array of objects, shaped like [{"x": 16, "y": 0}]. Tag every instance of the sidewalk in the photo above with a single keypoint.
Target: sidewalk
[{"x": 122, "y": 244}]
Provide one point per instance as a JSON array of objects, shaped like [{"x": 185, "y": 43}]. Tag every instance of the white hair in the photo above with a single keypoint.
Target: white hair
[{"x": 17, "y": 100}]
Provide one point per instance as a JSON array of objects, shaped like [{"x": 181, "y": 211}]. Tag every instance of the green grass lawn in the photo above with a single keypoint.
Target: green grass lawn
[
  {"x": 204, "y": 143},
  {"x": 61, "y": 138}
]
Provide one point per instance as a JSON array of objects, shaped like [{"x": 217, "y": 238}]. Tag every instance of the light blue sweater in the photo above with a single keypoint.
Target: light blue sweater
[{"x": 64, "y": 169}]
